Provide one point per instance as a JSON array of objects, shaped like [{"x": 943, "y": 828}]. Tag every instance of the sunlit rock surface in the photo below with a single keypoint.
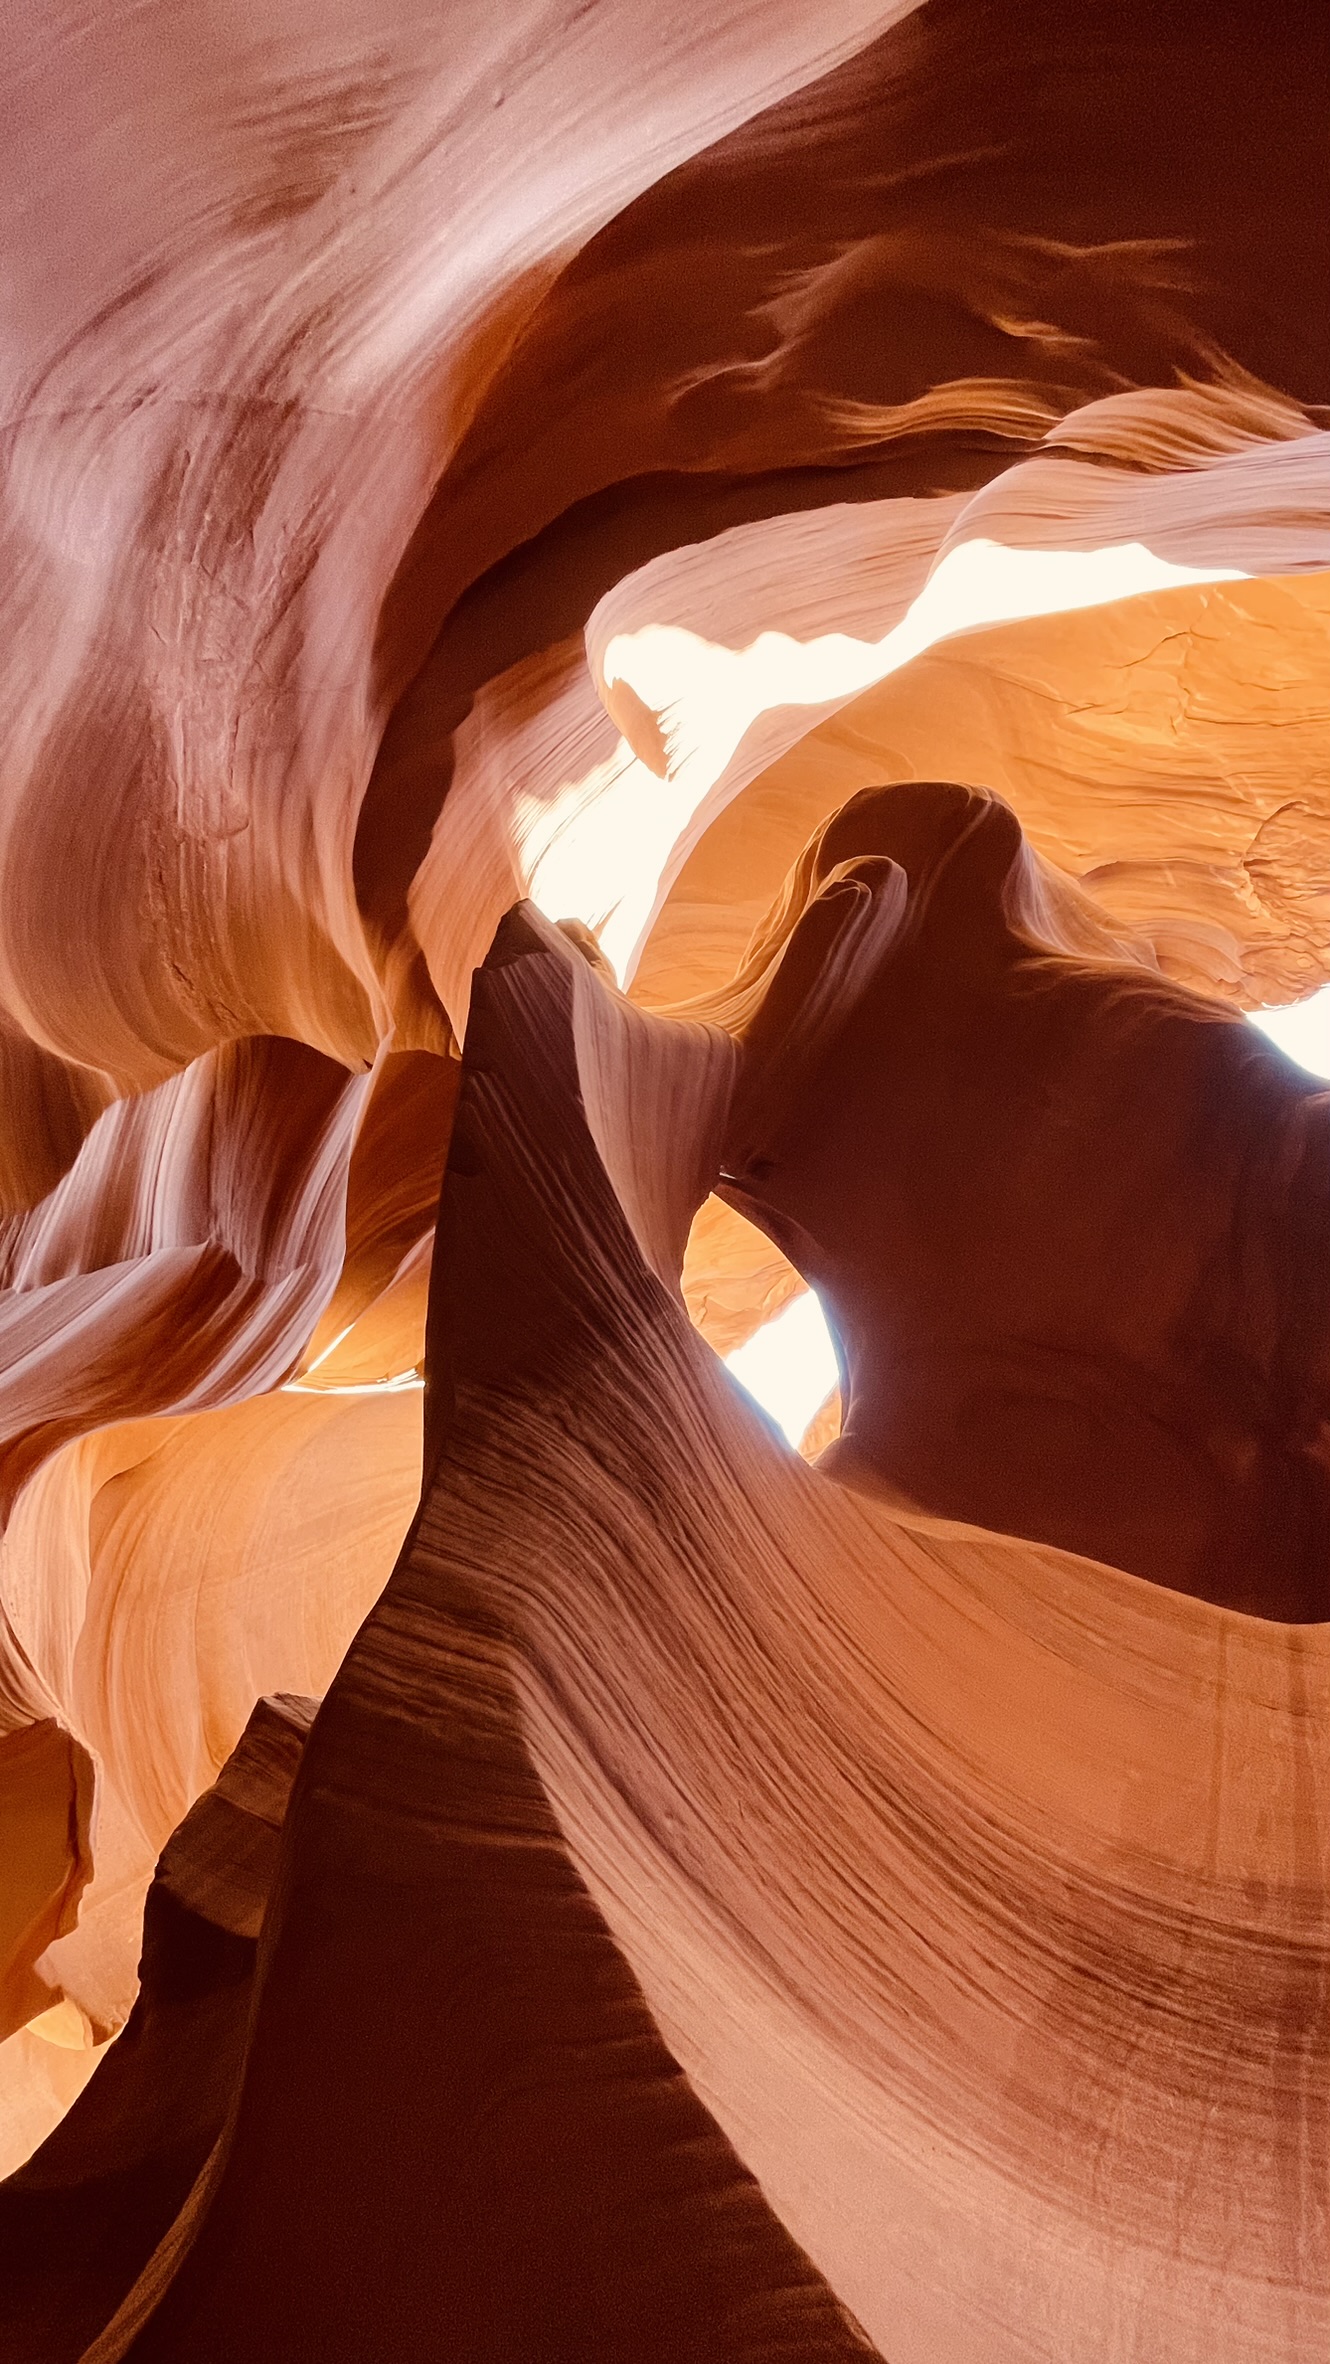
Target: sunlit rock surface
[{"x": 829, "y": 513}]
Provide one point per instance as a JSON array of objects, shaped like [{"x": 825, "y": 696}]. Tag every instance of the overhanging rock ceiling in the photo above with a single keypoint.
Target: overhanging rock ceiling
[{"x": 652, "y": 658}]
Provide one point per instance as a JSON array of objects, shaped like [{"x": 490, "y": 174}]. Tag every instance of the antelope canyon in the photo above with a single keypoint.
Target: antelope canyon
[{"x": 664, "y": 1398}]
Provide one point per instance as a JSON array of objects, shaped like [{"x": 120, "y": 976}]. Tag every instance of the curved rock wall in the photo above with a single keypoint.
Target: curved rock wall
[{"x": 832, "y": 509}]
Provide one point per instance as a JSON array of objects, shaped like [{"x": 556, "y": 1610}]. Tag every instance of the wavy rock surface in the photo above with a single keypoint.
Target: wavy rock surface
[
  {"x": 571, "y": 457},
  {"x": 1066, "y": 1216},
  {"x": 869, "y": 1830},
  {"x": 159, "y": 1579}
]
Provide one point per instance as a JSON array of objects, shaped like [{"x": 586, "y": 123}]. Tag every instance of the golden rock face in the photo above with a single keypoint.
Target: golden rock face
[{"x": 652, "y": 659}]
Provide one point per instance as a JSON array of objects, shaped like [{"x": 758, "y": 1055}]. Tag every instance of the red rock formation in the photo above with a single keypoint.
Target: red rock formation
[
  {"x": 47, "y": 1789},
  {"x": 1066, "y": 1216},
  {"x": 935, "y": 1854},
  {"x": 78, "y": 2223},
  {"x": 566, "y": 457}
]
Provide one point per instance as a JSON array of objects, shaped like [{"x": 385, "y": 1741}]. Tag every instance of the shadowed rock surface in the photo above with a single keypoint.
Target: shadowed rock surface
[
  {"x": 1069, "y": 1219},
  {"x": 80, "y": 2221}
]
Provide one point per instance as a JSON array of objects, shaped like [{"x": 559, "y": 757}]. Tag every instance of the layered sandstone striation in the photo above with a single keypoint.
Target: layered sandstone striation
[
  {"x": 916, "y": 1842},
  {"x": 708, "y": 634}
]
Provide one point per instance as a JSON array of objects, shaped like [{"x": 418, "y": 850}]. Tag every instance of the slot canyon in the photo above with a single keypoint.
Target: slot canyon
[{"x": 666, "y": 704}]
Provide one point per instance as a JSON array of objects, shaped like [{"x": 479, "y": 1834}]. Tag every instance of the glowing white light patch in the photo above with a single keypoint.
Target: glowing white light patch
[
  {"x": 708, "y": 698},
  {"x": 790, "y": 1366},
  {"x": 596, "y": 851},
  {"x": 707, "y": 695},
  {"x": 1302, "y": 1031}
]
